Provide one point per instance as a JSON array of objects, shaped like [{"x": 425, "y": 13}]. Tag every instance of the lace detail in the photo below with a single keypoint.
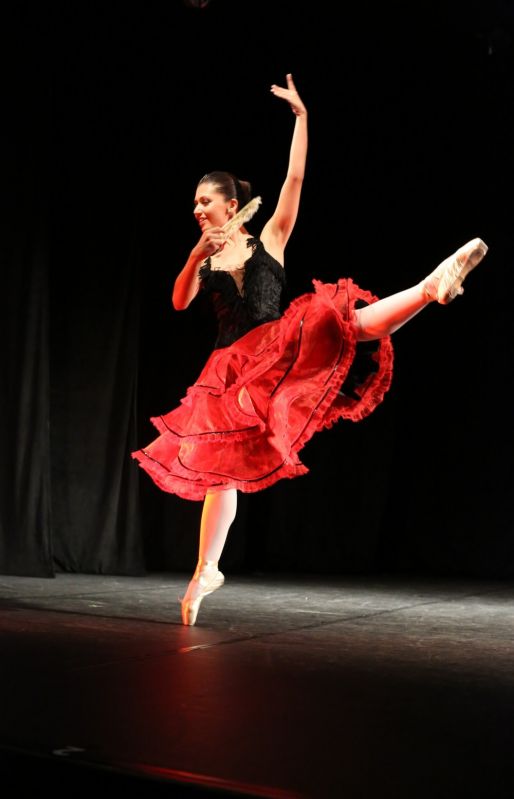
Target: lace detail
[{"x": 240, "y": 308}]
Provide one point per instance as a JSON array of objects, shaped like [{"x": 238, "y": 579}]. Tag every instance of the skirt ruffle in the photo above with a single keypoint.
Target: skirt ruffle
[{"x": 257, "y": 402}]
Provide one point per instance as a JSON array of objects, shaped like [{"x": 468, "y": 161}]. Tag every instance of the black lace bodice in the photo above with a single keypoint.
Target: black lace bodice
[{"x": 259, "y": 300}]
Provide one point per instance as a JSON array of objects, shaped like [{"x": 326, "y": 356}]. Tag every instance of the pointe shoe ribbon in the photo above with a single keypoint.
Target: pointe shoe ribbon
[
  {"x": 206, "y": 579},
  {"x": 445, "y": 282}
]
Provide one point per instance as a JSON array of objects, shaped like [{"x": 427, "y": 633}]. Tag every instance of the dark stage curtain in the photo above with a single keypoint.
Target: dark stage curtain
[
  {"x": 94, "y": 324},
  {"x": 70, "y": 323},
  {"x": 106, "y": 130},
  {"x": 94, "y": 305},
  {"x": 25, "y": 497}
]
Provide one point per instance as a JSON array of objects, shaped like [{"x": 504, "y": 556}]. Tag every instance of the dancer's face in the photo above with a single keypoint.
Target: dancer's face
[{"x": 211, "y": 209}]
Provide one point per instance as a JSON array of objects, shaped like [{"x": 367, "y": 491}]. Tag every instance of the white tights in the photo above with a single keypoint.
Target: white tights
[
  {"x": 219, "y": 511},
  {"x": 384, "y": 317}
]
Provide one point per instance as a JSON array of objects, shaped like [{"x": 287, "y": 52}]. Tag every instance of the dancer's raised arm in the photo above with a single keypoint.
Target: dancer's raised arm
[{"x": 277, "y": 230}]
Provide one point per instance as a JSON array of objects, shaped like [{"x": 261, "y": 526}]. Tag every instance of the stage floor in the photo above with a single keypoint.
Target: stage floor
[{"x": 287, "y": 686}]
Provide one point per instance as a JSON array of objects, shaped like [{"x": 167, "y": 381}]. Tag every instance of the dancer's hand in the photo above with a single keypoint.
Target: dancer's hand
[
  {"x": 209, "y": 243},
  {"x": 291, "y": 95}
]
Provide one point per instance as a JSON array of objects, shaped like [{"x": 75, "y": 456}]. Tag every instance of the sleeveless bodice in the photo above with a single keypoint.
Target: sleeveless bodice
[{"x": 258, "y": 301}]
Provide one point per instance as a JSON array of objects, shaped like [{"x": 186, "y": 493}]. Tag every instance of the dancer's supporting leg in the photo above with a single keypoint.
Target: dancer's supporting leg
[
  {"x": 219, "y": 511},
  {"x": 384, "y": 317}
]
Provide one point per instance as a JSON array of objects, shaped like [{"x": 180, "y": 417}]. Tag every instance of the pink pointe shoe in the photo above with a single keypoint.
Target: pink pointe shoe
[
  {"x": 445, "y": 282},
  {"x": 206, "y": 579}
]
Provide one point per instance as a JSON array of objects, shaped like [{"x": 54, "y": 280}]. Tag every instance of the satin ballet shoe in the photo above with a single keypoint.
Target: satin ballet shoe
[
  {"x": 209, "y": 578},
  {"x": 445, "y": 282}
]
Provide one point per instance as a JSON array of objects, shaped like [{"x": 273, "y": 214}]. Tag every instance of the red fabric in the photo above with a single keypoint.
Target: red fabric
[{"x": 258, "y": 401}]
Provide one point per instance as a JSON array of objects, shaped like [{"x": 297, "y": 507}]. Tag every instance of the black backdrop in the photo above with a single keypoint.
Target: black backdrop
[{"x": 111, "y": 113}]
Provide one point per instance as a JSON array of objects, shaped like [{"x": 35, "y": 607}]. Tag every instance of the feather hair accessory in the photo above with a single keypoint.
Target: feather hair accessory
[{"x": 242, "y": 216}]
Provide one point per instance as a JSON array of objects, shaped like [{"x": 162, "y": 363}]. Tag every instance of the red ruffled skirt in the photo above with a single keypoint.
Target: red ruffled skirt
[{"x": 258, "y": 401}]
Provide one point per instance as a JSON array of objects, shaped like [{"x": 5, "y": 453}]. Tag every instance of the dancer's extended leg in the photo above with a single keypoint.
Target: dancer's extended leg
[
  {"x": 384, "y": 317},
  {"x": 219, "y": 511}
]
